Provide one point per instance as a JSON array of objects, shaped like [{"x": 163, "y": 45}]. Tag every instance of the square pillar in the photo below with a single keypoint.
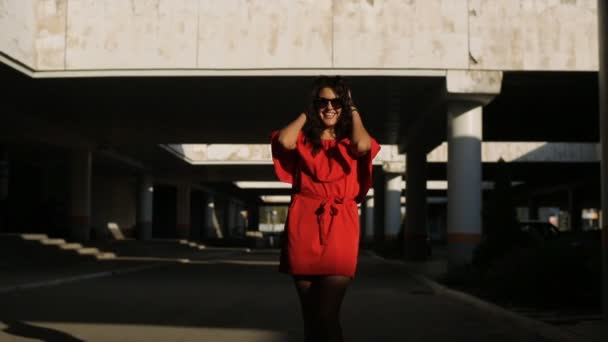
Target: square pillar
[
  {"x": 253, "y": 216},
  {"x": 80, "y": 195},
  {"x": 4, "y": 180},
  {"x": 4, "y": 173},
  {"x": 183, "y": 211},
  {"x": 416, "y": 244},
  {"x": 145, "y": 207}
]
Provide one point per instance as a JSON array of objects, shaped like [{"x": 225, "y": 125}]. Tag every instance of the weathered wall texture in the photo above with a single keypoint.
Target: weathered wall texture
[
  {"x": 134, "y": 34},
  {"x": 49, "y": 40},
  {"x": 265, "y": 34},
  {"x": 400, "y": 34},
  {"x": 302, "y": 34},
  {"x": 17, "y": 27},
  {"x": 533, "y": 34}
]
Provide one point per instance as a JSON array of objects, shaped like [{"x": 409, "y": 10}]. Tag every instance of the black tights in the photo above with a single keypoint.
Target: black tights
[{"x": 321, "y": 298}]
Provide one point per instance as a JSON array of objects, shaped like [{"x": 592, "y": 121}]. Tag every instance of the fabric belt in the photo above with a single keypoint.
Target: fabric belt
[{"x": 325, "y": 216}]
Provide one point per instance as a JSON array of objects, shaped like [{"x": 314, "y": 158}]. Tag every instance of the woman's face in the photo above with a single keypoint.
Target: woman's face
[{"x": 329, "y": 106}]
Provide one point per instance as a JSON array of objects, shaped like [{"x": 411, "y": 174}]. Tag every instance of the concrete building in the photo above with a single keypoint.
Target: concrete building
[{"x": 102, "y": 91}]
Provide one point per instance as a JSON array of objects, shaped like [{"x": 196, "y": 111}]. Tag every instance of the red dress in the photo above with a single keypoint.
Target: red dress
[{"x": 322, "y": 228}]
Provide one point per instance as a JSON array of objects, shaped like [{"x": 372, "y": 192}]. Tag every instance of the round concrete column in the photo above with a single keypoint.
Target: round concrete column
[
  {"x": 603, "y": 91},
  {"x": 80, "y": 191},
  {"x": 392, "y": 205},
  {"x": 367, "y": 211},
  {"x": 183, "y": 211},
  {"x": 416, "y": 245},
  {"x": 145, "y": 207},
  {"x": 464, "y": 180}
]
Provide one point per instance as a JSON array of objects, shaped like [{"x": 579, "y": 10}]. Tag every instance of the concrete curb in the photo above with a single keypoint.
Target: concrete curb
[
  {"x": 53, "y": 282},
  {"x": 542, "y": 329}
]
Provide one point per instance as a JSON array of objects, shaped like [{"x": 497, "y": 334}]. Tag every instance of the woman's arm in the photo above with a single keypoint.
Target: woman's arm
[
  {"x": 288, "y": 135},
  {"x": 361, "y": 140}
]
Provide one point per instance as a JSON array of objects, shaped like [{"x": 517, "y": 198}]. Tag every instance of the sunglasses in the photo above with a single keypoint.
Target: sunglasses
[{"x": 321, "y": 102}]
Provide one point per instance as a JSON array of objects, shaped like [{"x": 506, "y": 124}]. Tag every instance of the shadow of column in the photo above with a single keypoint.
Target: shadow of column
[{"x": 22, "y": 329}]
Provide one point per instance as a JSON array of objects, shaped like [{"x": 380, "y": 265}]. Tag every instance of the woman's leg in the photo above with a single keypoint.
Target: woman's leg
[
  {"x": 307, "y": 287},
  {"x": 331, "y": 292}
]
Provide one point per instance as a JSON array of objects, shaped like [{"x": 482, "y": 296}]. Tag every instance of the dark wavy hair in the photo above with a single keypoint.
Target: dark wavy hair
[{"x": 314, "y": 126}]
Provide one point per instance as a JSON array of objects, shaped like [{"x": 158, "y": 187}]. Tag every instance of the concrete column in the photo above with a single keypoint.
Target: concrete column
[
  {"x": 392, "y": 205},
  {"x": 80, "y": 191},
  {"x": 379, "y": 190},
  {"x": 253, "y": 217},
  {"x": 574, "y": 210},
  {"x": 238, "y": 219},
  {"x": 603, "y": 91},
  {"x": 367, "y": 212},
  {"x": 363, "y": 240},
  {"x": 464, "y": 123},
  {"x": 532, "y": 209},
  {"x": 4, "y": 173},
  {"x": 208, "y": 217},
  {"x": 183, "y": 211},
  {"x": 416, "y": 234},
  {"x": 145, "y": 207},
  {"x": 4, "y": 180},
  {"x": 230, "y": 218}
]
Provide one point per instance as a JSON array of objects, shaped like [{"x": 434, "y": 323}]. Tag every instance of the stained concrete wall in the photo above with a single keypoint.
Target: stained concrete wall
[
  {"x": 17, "y": 27},
  {"x": 307, "y": 34},
  {"x": 533, "y": 34},
  {"x": 118, "y": 34},
  {"x": 400, "y": 34}
]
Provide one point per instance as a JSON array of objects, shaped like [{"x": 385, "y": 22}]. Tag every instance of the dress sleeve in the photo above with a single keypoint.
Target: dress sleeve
[
  {"x": 365, "y": 170},
  {"x": 284, "y": 160}
]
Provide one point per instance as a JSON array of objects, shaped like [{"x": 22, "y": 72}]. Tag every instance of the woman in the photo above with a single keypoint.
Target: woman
[{"x": 326, "y": 154}]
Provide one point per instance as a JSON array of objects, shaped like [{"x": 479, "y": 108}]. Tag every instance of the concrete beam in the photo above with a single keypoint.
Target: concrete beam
[
  {"x": 532, "y": 35},
  {"x": 116, "y": 37},
  {"x": 473, "y": 85},
  {"x": 464, "y": 86}
]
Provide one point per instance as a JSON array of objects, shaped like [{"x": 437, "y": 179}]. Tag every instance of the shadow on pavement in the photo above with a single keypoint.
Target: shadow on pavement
[
  {"x": 22, "y": 329},
  {"x": 239, "y": 296}
]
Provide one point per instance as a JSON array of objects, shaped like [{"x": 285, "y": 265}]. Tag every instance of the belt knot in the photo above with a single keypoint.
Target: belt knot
[{"x": 327, "y": 210}]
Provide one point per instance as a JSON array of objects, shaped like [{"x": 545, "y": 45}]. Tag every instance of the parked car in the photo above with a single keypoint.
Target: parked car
[{"x": 538, "y": 231}]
